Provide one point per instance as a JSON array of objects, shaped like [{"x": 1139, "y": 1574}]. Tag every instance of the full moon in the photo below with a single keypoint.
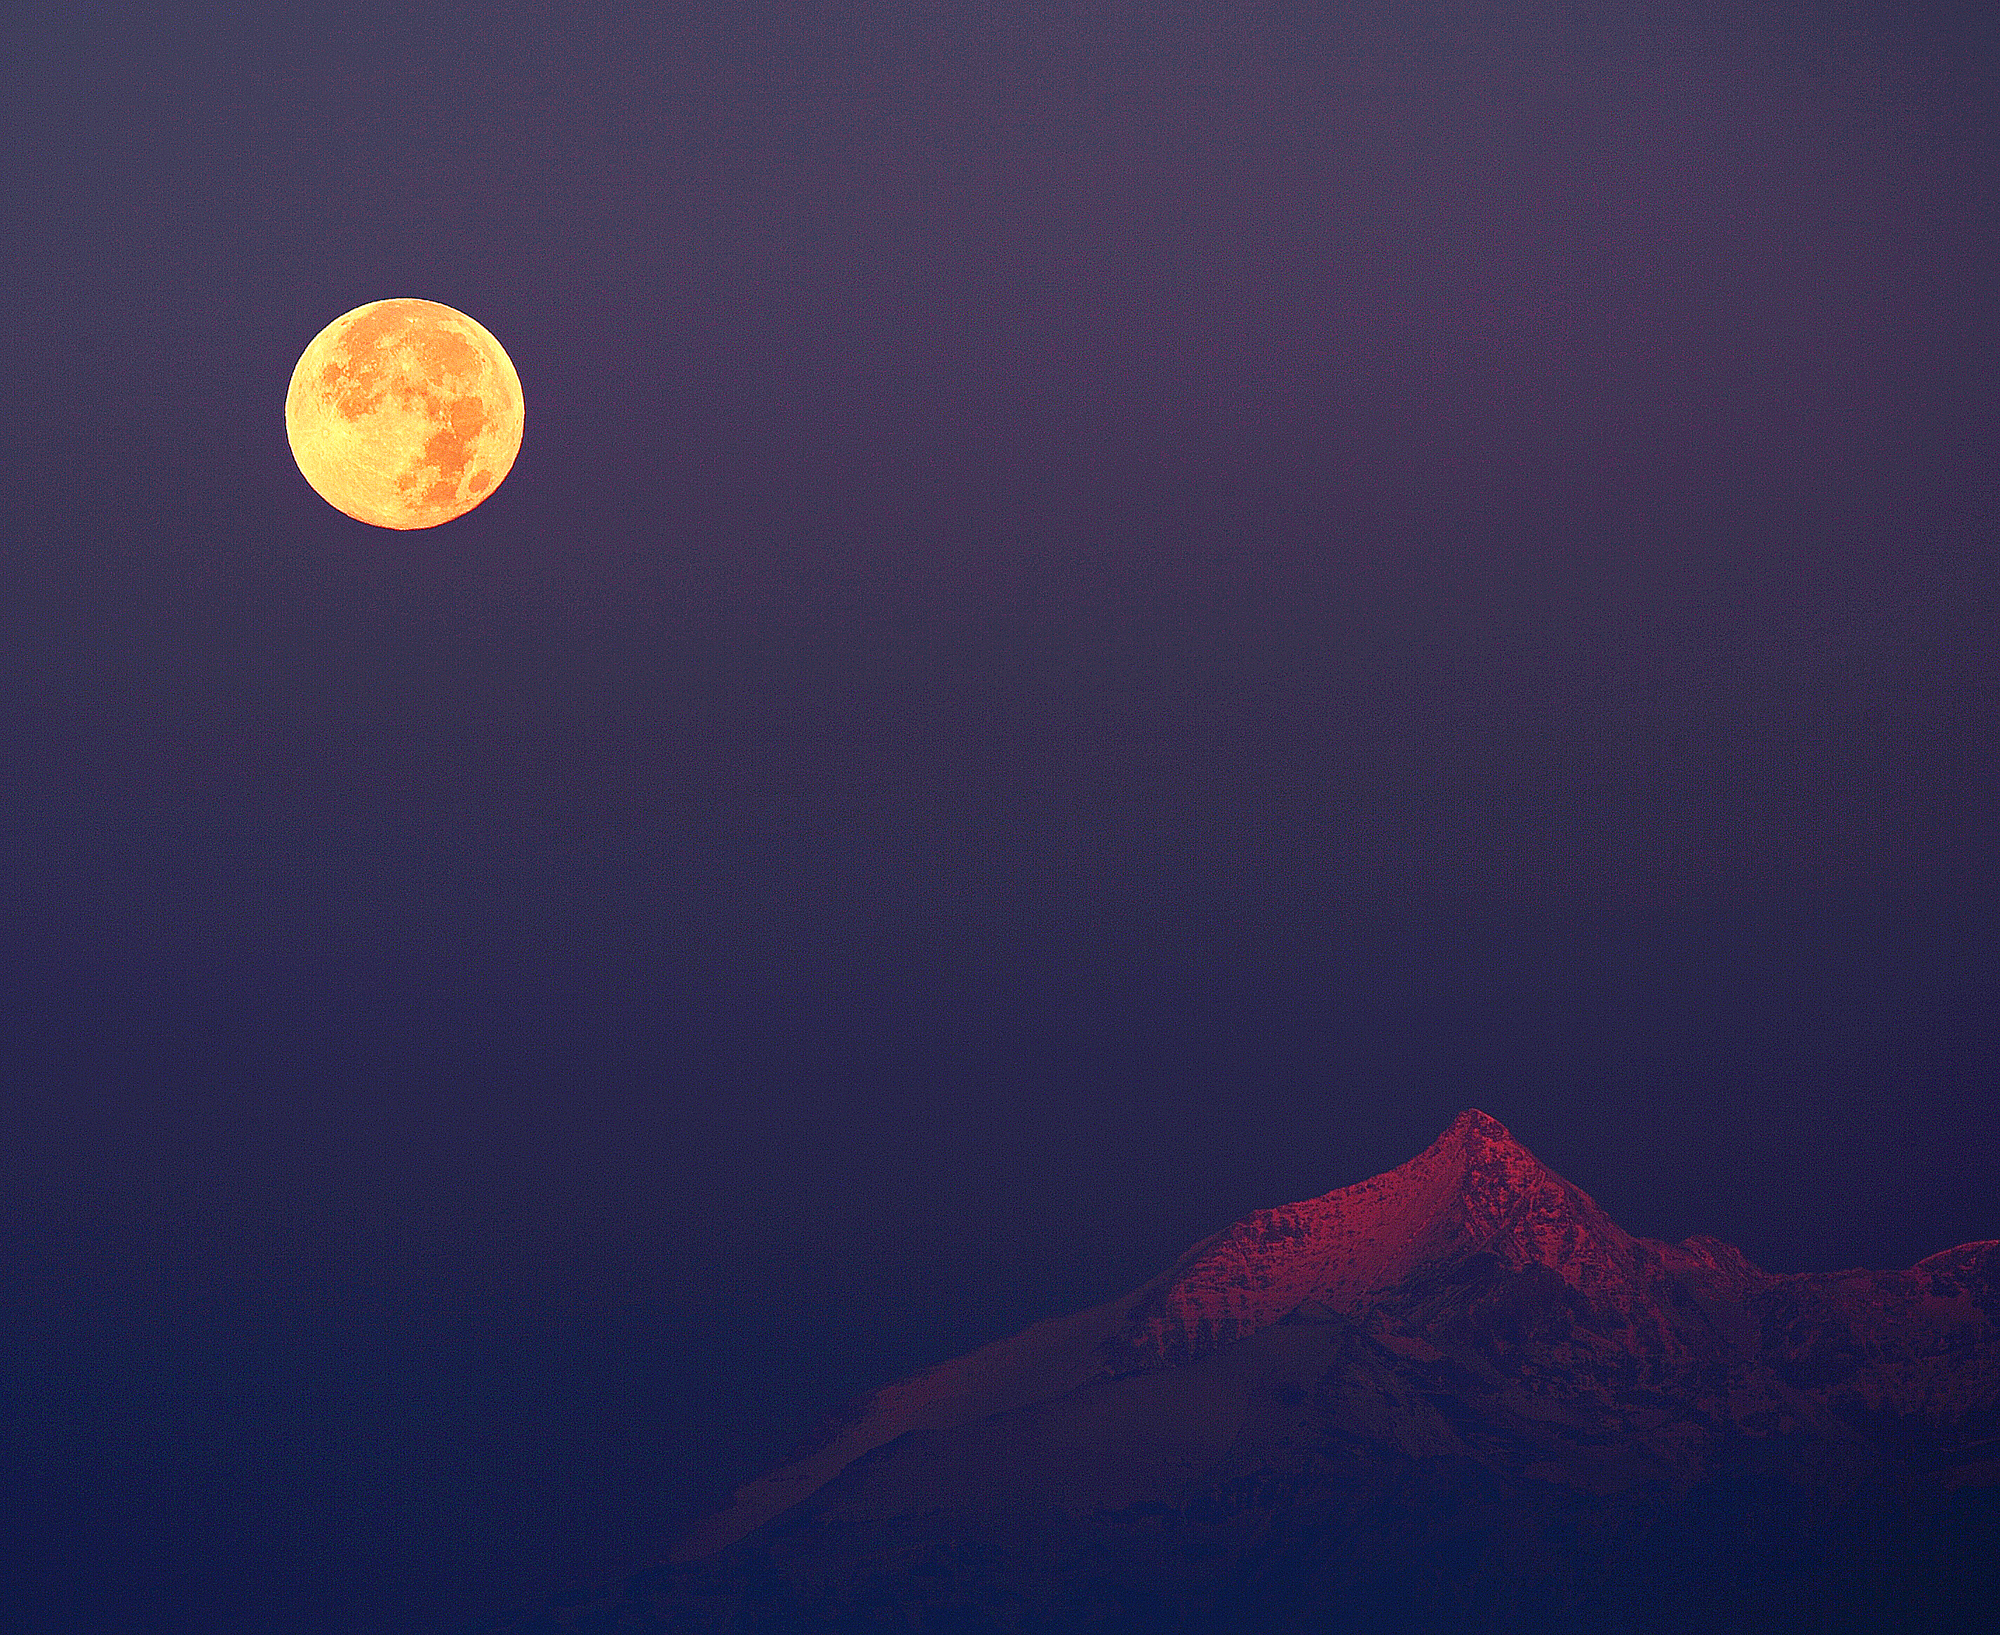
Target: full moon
[{"x": 404, "y": 413}]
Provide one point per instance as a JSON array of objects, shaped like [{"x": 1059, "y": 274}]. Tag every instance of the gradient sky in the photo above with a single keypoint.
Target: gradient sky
[{"x": 1108, "y": 613}]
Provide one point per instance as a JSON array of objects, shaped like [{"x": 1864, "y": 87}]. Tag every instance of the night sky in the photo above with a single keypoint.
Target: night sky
[{"x": 1108, "y": 613}]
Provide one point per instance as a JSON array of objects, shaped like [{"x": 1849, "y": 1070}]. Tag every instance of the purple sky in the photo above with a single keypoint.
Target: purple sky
[{"x": 1107, "y": 614}]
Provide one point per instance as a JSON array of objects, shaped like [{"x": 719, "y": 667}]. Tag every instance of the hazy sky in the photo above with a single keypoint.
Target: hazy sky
[{"x": 1107, "y": 614}]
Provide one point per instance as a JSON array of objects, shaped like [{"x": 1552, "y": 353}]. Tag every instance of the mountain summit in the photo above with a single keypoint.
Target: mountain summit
[
  {"x": 1475, "y": 1190},
  {"x": 1458, "y": 1391}
]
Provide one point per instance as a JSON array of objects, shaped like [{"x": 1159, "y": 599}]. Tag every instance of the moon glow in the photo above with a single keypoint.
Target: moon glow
[{"x": 404, "y": 413}]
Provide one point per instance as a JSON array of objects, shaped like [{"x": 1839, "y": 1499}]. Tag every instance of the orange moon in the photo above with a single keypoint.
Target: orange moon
[{"x": 404, "y": 413}]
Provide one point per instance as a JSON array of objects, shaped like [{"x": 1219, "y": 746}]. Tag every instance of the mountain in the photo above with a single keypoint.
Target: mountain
[{"x": 1456, "y": 1392}]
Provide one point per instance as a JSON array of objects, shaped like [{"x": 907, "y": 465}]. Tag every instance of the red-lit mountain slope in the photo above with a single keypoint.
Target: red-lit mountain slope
[{"x": 1475, "y": 1190}]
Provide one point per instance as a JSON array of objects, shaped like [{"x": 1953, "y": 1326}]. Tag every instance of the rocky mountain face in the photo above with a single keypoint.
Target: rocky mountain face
[{"x": 1456, "y": 1392}]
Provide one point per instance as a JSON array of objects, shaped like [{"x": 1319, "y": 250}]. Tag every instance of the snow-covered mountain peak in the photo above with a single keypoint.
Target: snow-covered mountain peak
[{"x": 1474, "y": 1189}]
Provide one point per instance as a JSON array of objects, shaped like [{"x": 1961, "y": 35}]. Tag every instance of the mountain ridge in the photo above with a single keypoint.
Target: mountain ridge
[
  {"x": 1376, "y": 1253},
  {"x": 1467, "y": 1341}
]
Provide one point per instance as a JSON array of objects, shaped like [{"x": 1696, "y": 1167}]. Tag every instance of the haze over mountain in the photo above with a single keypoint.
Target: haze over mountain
[{"x": 1456, "y": 1390}]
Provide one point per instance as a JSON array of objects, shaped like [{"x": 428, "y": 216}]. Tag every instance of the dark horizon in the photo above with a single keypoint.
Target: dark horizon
[{"x": 1104, "y": 617}]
